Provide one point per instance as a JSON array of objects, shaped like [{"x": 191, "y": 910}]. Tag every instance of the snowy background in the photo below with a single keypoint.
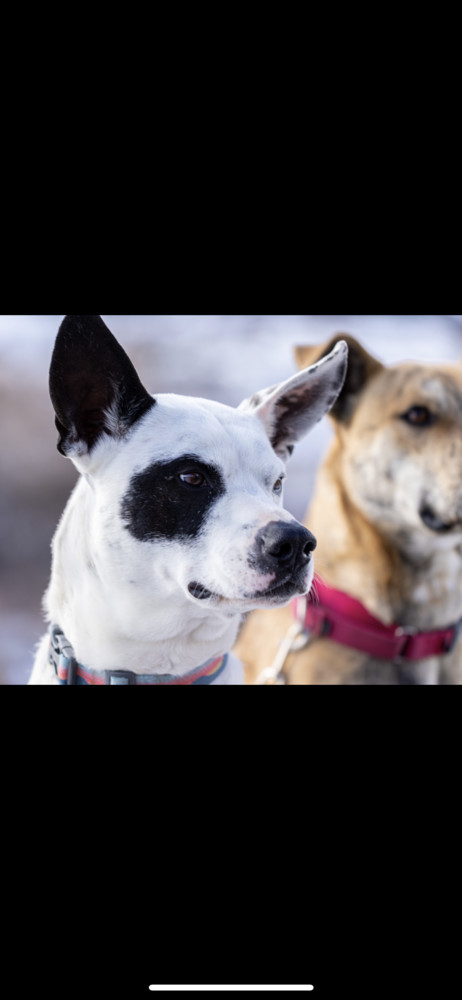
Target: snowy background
[{"x": 220, "y": 357}]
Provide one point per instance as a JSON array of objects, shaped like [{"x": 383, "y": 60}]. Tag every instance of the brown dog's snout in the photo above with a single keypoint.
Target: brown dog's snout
[{"x": 282, "y": 547}]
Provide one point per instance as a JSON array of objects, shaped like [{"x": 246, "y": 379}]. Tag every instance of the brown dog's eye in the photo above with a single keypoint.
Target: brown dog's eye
[
  {"x": 418, "y": 416},
  {"x": 192, "y": 478}
]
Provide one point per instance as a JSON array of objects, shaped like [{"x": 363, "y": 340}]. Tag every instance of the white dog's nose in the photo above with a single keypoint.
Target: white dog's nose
[{"x": 283, "y": 547}]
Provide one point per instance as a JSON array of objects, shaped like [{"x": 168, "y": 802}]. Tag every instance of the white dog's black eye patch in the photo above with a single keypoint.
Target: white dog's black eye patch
[{"x": 160, "y": 504}]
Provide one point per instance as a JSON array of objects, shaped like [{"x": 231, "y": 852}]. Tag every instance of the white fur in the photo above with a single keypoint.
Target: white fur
[{"x": 124, "y": 604}]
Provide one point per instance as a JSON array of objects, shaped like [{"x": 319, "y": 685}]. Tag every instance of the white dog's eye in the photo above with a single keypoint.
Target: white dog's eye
[
  {"x": 192, "y": 478},
  {"x": 277, "y": 488}
]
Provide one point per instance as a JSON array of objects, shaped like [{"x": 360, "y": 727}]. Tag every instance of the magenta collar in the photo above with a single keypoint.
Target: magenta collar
[{"x": 345, "y": 620}]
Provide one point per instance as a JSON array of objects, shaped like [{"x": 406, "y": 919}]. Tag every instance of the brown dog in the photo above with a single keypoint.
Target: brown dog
[{"x": 387, "y": 514}]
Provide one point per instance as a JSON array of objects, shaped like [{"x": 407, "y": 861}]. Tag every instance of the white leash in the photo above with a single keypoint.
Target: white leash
[{"x": 294, "y": 640}]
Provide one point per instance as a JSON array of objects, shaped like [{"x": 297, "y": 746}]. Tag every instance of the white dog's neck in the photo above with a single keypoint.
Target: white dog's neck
[{"x": 111, "y": 621}]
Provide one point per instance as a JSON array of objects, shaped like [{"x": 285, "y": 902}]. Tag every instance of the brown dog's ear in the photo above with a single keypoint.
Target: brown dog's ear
[{"x": 362, "y": 366}]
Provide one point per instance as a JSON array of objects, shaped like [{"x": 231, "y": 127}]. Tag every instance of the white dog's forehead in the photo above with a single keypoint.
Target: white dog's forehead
[
  {"x": 228, "y": 449},
  {"x": 180, "y": 425}
]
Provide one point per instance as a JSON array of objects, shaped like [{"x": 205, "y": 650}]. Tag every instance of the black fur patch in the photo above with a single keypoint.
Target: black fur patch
[
  {"x": 90, "y": 373},
  {"x": 159, "y": 506}
]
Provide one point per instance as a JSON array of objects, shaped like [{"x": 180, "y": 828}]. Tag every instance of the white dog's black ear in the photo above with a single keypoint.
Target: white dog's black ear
[
  {"x": 362, "y": 366},
  {"x": 94, "y": 387},
  {"x": 289, "y": 410}
]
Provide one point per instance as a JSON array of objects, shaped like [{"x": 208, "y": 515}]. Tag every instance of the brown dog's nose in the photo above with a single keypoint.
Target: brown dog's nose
[{"x": 282, "y": 546}]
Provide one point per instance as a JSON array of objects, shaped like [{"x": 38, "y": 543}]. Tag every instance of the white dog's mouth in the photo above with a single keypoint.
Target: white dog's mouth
[
  {"x": 283, "y": 590},
  {"x": 280, "y": 592},
  {"x": 200, "y": 592}
]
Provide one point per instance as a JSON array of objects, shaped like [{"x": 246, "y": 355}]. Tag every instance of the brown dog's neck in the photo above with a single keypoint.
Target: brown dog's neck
[{"x": 352, "y": 555}]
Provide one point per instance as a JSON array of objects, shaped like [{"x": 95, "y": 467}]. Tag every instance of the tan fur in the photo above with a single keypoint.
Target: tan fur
[{"x": 378, "y": 474}]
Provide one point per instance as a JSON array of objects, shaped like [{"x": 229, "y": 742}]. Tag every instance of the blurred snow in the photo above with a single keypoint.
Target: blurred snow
[{"x": 220, "y": 357}]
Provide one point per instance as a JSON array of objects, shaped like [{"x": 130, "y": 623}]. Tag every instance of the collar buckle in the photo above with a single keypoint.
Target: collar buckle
[
  {"x": 61, "y": 655},
  {"x": 456, "y": 631},
  {"x": 406, "y": 631},
  {"x": 120, "y": 677}
]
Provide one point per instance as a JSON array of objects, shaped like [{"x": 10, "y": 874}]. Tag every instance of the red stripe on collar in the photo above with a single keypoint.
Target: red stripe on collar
[
  {"x": 200, "y": 675},
  {"x": 343, "y": 619}
]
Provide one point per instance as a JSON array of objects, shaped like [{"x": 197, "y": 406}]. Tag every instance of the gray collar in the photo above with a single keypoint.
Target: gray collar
[{"x": 68, "y": 671}]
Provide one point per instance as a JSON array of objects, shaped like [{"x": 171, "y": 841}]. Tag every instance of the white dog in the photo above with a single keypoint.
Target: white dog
[{"x": 175, "y": 527}]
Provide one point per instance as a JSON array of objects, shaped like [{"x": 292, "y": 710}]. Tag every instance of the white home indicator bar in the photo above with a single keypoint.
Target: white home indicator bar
[{"x": 279, "y": 989}]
